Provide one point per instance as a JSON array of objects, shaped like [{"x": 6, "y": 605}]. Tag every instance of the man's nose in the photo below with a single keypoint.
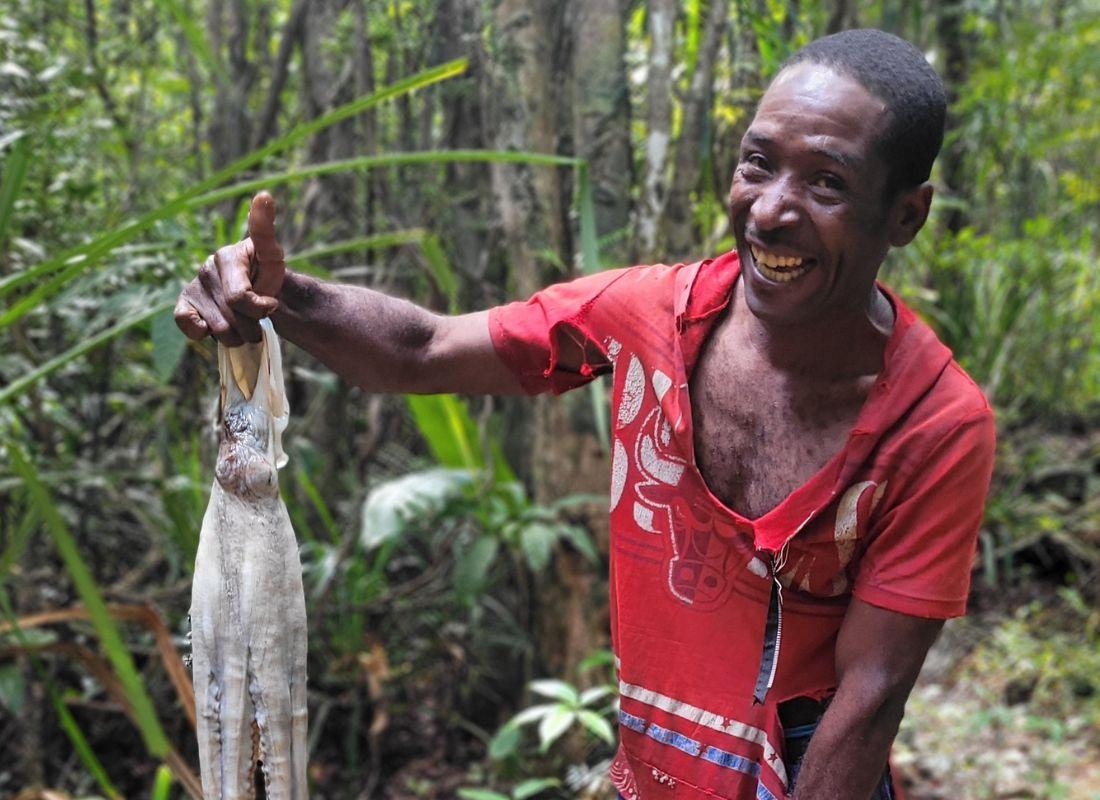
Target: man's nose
[{"x": 776, "y": 206}]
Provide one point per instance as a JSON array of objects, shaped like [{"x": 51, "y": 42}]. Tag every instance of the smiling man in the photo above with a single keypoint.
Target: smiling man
[{"x": 798, "y": 465}]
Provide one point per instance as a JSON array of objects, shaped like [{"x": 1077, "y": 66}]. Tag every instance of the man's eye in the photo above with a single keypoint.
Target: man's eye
[{"x": 830, "y": 182}]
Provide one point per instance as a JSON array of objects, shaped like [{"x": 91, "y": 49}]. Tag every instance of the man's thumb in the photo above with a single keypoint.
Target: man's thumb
[{"x": 268, "y": 264}]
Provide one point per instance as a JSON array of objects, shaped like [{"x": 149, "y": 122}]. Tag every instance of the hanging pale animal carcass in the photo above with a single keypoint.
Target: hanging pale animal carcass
[{"x": 248, "y": 616}]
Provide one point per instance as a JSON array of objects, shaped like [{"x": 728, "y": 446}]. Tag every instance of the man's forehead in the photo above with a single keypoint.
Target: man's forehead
[{"x": 817, "y": 102}]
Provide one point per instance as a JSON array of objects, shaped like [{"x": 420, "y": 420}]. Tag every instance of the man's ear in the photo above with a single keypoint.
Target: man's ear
[{"x": 909, "y": 214}]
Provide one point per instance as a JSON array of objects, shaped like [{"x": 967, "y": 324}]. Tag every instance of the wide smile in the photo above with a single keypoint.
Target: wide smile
[{"x": 779, "y": 268}]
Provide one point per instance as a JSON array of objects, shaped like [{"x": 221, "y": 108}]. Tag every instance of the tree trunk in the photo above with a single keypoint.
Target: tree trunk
[
  {"x": 601, "y": 103},
  {"x": 662, "y": 18},
  {"x": 680, "y": 236},
  {"x": 522, "y": 115},
  {"x": 953, "y": 40}
]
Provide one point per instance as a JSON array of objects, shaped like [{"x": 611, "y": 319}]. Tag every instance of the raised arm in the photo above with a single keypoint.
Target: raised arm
[
  {"x": 381, "y": 343},
  {"x": 878, "y": 657}
]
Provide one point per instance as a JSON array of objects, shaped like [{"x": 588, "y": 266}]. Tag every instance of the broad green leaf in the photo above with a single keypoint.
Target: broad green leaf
[
  {"x": 473, "y": 565},
  {"x": 169, "y": 345},
  {"x": 538, "y": 542},
  {"x": 504, "y": 742},
  {"x": 580, "y": 539},
  {"x": 446, "y": 425},
  {"x": 533, "y": 786},
  {"x": 555, "y": 689},
  {"x": 390, "y": 506},
  {"x": 532, "y": 713},
  {"x": 553, "y": 725},
  {"x": 597, "y": 724},
  {"x": 481, "y": 794},
  {"x": 12, "y": 688},
  {"x": 590, "y": 696},
  {"x": 152, "y": 733}
]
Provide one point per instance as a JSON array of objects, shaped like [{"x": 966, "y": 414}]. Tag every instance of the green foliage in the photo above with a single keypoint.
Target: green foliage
[{"x": 588, "y": 710}]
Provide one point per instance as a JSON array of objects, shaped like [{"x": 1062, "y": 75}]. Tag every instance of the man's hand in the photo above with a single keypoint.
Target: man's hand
[
  {"x": 371, "y": 340},
  {"x": 238, "y": 285},
  {"x": 879, "y": 654}
]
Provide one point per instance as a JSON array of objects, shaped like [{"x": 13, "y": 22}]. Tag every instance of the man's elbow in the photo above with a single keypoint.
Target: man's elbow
[{"x": 880, "y": 693}]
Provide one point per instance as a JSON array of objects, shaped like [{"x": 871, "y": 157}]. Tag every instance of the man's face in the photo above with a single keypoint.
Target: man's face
[{"x": 808, "y": 202}]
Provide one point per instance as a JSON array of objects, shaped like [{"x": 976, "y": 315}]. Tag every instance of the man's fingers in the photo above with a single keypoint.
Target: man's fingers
[
  {"x": 267, "y": 276},
  {"x": 189, "y": 320},
  {"x": 228, "y": 327},
  {"x": 232, "y": 264}
]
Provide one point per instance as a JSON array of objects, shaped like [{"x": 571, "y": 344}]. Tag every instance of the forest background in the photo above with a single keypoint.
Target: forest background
[{"x": 464, "y": 153}]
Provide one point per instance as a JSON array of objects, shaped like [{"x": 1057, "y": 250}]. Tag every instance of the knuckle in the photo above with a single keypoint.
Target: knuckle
[{"x": 219, "y": 327}]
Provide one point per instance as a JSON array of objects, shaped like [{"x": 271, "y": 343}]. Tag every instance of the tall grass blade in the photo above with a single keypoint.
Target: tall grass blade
[
  {"x": 442, "y": 271},
  {"x": 318, "y": 501},
  {"x": 15, "y": 171},
  {"x": 389, "y": 239},
  {"x": 69, "y": 724},
  {"x": 162, "y": 783},
  {"x": 590, "y": 243},
  {"x": 78, "y": 260},
  {"x": 382, "y": 160},
  {"x": 20, "y": 385},
  {"x": 446, "y": 425},
  {"x": 145, "y": 715}
]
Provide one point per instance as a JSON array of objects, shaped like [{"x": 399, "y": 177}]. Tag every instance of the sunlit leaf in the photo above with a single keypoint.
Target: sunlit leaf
[
  {"x": 533, "y": 786},
  {"x": 555, "y": 689},
  {"x": 391, "y": 505},
  {"x": 537, "y": 542},
  {"x": 553, "y": 725},
  {"x": 597, "y": 724},
  {"x": 481, "y": 794}
]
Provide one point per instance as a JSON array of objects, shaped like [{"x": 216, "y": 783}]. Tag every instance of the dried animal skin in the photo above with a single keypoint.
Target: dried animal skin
[{"x": 248, "y": 616}]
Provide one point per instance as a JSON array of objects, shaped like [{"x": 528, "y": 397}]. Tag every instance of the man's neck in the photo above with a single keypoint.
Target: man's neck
[{"x": 845, "y": 345}]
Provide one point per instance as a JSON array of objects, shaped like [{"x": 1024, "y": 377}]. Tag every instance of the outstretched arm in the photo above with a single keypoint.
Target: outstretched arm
[
  {"x": 378, "y": 342},
  {"x": 878, "y": 657}
]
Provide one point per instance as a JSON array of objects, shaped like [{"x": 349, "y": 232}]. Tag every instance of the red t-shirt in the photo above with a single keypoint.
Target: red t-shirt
[{"x": 891, "y": 519}]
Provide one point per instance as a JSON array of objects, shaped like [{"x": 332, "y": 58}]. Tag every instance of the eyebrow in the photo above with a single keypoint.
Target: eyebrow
[{"x": 844, "y": 159}]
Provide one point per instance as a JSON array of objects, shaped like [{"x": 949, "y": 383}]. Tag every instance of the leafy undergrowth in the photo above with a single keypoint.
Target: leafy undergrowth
[{"x": 1008, "y": 706}]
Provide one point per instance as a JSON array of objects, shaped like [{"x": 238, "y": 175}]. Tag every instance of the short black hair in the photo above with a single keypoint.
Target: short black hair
[{"x": 896, "y": 73}]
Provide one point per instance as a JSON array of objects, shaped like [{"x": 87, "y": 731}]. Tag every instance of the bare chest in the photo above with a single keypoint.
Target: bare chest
[{"x": 759, "y": 435}]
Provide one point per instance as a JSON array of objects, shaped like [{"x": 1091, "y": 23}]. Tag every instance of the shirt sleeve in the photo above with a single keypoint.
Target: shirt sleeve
[
  {"x": 920, "y": 553},
  {"x": 528, "y": 336}
]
